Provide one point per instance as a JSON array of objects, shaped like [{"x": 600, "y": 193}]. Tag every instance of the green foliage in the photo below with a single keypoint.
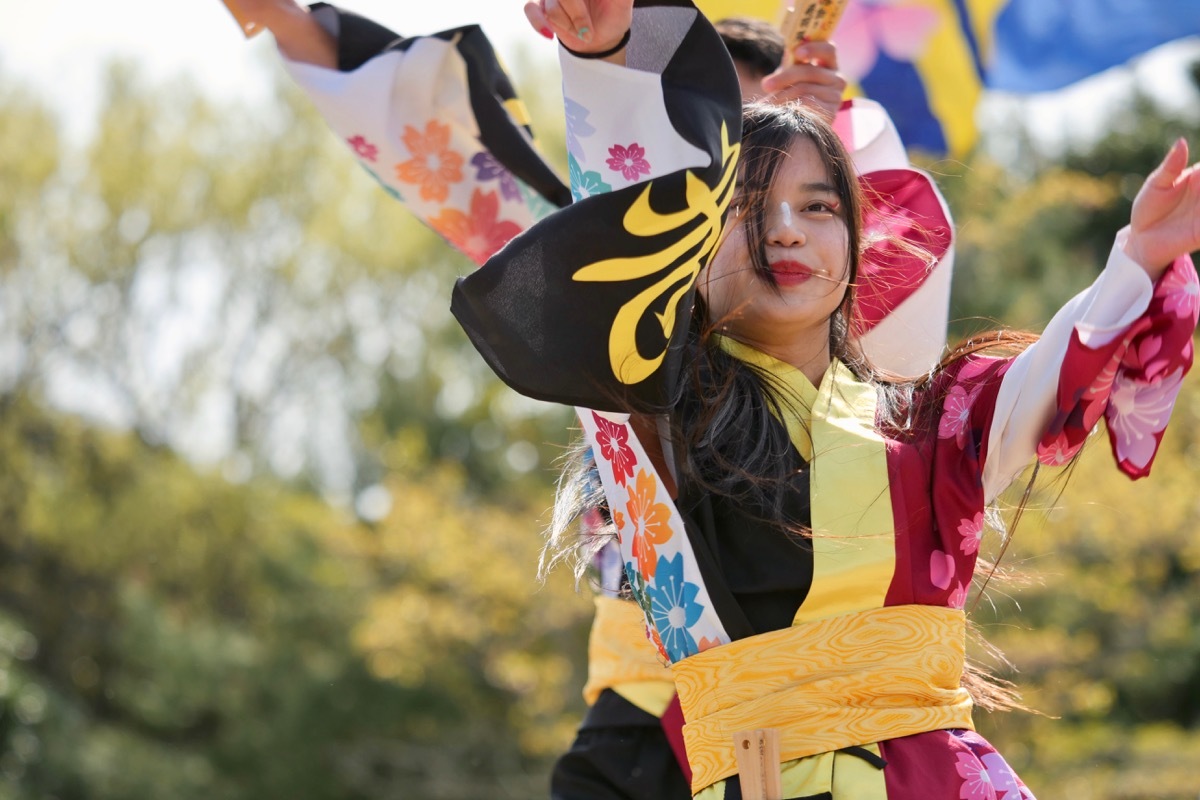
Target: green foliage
[
  {"x": 166, "y": 633},
  {"x": 1023, "y": 247},
  {"x": 1029, "y": 239},
  {"x": 1100, "y": 616},
  {"x": 1106, "y": 637}
]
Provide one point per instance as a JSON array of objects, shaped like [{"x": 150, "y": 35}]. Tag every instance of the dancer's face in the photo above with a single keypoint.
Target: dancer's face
[{"x": 807, "y": 250}]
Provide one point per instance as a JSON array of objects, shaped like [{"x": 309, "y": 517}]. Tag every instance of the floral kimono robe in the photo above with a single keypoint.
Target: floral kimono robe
[{"x": 862, "y": 675}]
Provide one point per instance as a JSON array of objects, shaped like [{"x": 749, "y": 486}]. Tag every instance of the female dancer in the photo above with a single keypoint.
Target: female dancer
[
  {"x": 382, "y": 92},
  {"x": 799, "y": 528}
]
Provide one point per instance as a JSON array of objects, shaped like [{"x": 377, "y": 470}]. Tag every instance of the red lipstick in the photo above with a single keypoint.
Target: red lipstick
[{"x": 790, "y": 273}]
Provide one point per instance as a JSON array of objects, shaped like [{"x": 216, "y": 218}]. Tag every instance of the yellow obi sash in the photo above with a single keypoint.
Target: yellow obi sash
[
  {"x": 839, "y": 682},
  {"x": 622, "y": 658}
]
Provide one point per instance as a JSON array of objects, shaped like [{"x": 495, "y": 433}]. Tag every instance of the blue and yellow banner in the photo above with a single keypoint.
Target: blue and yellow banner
[{"x": 929, "y": 61}]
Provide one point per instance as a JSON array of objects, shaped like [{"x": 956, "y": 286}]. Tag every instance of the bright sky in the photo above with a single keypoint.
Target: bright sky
[{"x": 58, "y": 45}]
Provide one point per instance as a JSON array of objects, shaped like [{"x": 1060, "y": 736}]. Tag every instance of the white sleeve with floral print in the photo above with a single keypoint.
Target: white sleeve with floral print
[
  {"x": 1027, "y": 397},
  {"x": 408, "y": 118},
  {"x": 618, "y": 131}
]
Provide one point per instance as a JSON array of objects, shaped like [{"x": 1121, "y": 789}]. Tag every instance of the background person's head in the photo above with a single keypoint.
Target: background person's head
[{"x": 756, "y": 48}]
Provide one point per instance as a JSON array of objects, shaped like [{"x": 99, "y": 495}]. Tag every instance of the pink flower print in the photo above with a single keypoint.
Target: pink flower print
[
  {"x": 900, "y": 29},
  {"x": 613, "y": 439},
  {"x": 956, "y": 413},
  {"x": 1137, "y": 413},
  {"x": 479, "y": 233},
  {"x": 1057, "y": 452},
  {"x": 707, "y": 644},
  {"x": 975, "y": 369},
  {"x": 1095, "y": 397},
  {"x": 972, "y": 739},
  {"x": 1102, "y": 383},
  {"x": 629, "y": 161},
  {"x": 958, "y": 598},
  {"x": 1147, "y": 355},
  {"x": 363, "y": 148},
  {"x": 1180, "y": 292},
  {"x": 972, "y": 532},
  {"x": 941, "y": 569},
  {"x": 977, "y": 783},
  {"x": 1000, "y": 774}
]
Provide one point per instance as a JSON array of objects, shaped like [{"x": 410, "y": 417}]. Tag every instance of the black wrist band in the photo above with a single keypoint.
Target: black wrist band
[{"x": 612, "y": 51}]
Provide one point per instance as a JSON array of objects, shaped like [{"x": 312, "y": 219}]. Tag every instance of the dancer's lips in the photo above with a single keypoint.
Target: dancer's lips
[{"x": 791, "y": 273}]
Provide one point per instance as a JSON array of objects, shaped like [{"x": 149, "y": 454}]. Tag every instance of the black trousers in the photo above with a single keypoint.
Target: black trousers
[{"x": 620, "y": 753}]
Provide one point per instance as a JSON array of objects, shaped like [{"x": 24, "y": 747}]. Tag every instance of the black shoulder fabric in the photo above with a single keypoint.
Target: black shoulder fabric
[
  {"x": 490, "y": 88},
  {"x": 358, "y": 39},
  {"x": 544, "y": 329}
]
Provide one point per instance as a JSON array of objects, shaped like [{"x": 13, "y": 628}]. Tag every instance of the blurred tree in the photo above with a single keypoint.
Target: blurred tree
[
  {"x": 1105, "y": 638},
  {"x": 1034, "y": 232},
  {"x": 167, "y": 633},
  {"x": 1101, "y": 622},
  {"x": 187, "y": 276}
]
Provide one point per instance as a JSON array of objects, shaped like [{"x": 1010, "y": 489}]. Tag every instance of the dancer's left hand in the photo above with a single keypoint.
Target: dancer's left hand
[{"x": 1165, "y": 223}]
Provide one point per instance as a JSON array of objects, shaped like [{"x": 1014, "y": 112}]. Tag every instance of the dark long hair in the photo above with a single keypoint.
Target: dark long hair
[{"x": 722, "y": 398}]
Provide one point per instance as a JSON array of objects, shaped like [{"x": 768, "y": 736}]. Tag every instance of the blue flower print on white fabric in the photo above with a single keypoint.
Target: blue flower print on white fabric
[
  {"x": 673, "y": 608},
  {"x": 585, "y": 184},
  {"x": 577, "y": 125}
]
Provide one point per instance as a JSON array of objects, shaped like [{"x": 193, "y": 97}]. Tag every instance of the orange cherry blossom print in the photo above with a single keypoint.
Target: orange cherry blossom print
[
  {"x": 479, "y": 233},
  {"x": 649, "y": 521},
  {"x": 433, "y": 166},
  {"x": 619, "y": 521}
]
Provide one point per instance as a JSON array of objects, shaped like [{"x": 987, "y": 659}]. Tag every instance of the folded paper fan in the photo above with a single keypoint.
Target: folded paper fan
[
  {"x": 811, "y": 20},
  {"x": 798, "y": 20}
]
